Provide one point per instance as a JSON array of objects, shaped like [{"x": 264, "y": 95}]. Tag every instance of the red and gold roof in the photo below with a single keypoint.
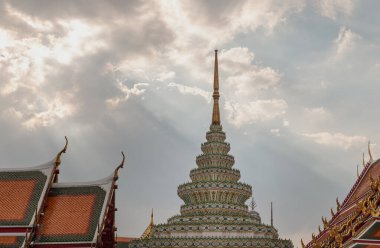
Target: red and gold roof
[{"x": 355, "y": 224}]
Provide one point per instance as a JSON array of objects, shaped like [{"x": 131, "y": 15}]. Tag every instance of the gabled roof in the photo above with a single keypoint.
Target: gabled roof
[
  {"x": 21, "y": 193},
  {"x": 73, "y": 213},
  {"x": 357, "y": 211},
  {"x": 37, "y": 211}
]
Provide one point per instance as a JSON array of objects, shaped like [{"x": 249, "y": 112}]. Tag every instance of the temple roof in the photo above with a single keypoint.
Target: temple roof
[
  {"x": 356, "y": 213},
  {"x": 21, "y": 193},
  {"x": 74, "y": 213},
  {"x": 37, "y": 211}
]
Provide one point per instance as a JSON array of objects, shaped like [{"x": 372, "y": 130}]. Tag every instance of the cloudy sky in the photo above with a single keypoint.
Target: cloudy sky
[{"x": 299, "y": 82}]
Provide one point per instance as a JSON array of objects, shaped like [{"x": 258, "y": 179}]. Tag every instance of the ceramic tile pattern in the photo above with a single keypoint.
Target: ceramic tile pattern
[
  {"x": 14, "y": 198},
  {"x": 71, "y": 214},
  {"x": 19, "y": 195},
  {"x": 68, "y": 214}
]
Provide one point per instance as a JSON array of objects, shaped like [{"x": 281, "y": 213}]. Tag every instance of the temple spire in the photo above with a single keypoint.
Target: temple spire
[
  {"x": 271, "y": 214},
  {"x": 151, "y": 218},
  {"x": 215, "y": 95}
]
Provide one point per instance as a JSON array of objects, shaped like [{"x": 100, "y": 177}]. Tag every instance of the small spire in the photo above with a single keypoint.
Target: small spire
[
  {"x": 215, "y": 95},
  {"x": 357, "y": 170},
  {"x": 148, "y": 230},
  {"x": 363, "y": 160},
  {"x": 271, "y": 214},
  {"x": 151, "y": 218},
  {"x": 369, "y": 152}
]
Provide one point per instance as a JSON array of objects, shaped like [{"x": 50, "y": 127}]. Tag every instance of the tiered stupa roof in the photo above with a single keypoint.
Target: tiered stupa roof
[{"x": 214, "y": 213}]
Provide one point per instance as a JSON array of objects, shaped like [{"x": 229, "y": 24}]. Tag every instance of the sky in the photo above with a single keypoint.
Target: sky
[{"x": 299, "y": 96}]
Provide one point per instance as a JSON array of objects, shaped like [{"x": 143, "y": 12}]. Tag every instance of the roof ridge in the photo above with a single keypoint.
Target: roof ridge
[{"x": 368, "y": 165}]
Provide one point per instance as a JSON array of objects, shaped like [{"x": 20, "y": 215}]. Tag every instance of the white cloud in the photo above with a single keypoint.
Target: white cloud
[
  {"x": 316, "y": 114},
  {"x": 188, "y": 90},
  {"x": 285, "y": 123},
  {"x": 275, "y": 131},
  {"x": 242, "y": 81},
  {"x": 244, "y": 78},
  {"x": 336, "y": 139},
  {"x": 345, "y": 41},
  {"x": 261, "y": 110},
  {"x": 332, "y": 9},
  {"x": 137, "y": 89},
  {"x": 27, "y": 60},
  {"x": 44, "y": 111},
  {"x": 194, "y": 22}
]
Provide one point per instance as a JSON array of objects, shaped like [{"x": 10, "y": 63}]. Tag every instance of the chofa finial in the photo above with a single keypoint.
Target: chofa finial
[
  {"x": 337, "y": 204},
  {"x": 357, "y": 170},
  {"x": 58, "y": 157},
  {"x": 369, "y": 152},
  {"x": 121, "y": 165}
]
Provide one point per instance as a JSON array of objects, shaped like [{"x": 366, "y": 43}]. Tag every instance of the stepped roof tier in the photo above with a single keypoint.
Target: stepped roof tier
[
  {"x": 356, "y": 222},
  {"x": 38, "y": 211},
  {"x": 214, "y": 213}
]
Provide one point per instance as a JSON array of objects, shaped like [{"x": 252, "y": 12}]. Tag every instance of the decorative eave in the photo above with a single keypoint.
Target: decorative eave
[
  {"x": 109, "y": 204},
  {"x": 364, "y": 172},
  {"x": 47, "y": 169},
  {"x": 362, "y": 214},
  {"x": 53, "y": 177},
  {"x": 107, "y": 185}
]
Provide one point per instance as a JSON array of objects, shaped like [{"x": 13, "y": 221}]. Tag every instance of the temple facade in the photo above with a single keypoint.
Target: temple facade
[
  {"x": 214, "y": 213},
  {"x": 36, "y": 210},
  {"x": 356, "y": 221}
]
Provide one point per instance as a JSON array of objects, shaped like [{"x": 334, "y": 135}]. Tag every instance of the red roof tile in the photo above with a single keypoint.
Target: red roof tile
[
  {"x": 14, "y": 198},
  {"x": 68, "y": 215},
  {"x": 360, "y": 190},
  {"x": 8, "y": 240},
  {"x": 72, "y": 214}
]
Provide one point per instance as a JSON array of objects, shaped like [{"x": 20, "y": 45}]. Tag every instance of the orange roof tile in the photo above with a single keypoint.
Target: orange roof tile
[
  {"x": 8, "y": 240},
  {"x": 124, "y": 239},
  {"x": 72, "y": 214},
  {"x": 14, "y": 198},
  {"x": 20, "y": 194},
  {"x": 68, "y": 214}
]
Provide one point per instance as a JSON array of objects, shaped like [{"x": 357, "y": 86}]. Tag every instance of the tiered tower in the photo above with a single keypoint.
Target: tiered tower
[{"x": 214, "y": 213}]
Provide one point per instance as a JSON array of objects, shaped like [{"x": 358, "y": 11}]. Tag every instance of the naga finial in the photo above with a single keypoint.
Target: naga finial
[
  {"x": 121, "y": 165},
  {"x": 325, "y": 222},
  {"x": 332, "y": 212},
  {"x": 58, "y": 157},
  {"x": 357, "y": 170},
  {"x": 369, "y": 152},
  {"x": 337, "y": 204},
  {"x": 363, "y": 160},
  {"x": 302, "y": 244}
]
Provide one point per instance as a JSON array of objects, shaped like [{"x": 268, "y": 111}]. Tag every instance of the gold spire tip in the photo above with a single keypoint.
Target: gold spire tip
[{"x": 215, "y": 95}]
